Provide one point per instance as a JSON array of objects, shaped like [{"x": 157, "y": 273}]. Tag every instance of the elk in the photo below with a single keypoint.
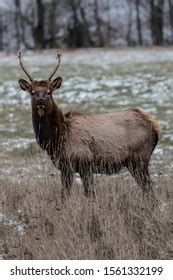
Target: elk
[{"x": 90, "y": 143}]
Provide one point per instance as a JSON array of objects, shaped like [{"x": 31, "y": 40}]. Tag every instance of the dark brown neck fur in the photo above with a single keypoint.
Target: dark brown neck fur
[{"x": 50, "y": 128}]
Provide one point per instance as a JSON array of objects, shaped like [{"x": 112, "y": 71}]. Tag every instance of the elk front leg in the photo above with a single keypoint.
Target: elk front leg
[
  {"x": 88, "y": 182},
  {"x": 67, "y": 181}
]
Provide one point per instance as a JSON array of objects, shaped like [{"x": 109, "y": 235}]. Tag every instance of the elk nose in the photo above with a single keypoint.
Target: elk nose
[{"x": 40, "y": 101}]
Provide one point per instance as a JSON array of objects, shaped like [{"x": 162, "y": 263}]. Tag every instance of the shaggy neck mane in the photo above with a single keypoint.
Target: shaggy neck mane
[{"x": 49, "y": 129}]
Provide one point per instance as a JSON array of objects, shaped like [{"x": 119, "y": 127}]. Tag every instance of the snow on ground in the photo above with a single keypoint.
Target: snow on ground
[{"x": 100, "y": 57}]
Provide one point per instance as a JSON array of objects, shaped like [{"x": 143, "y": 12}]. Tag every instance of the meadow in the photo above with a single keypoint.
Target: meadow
[{"x": 120, "y": 224}]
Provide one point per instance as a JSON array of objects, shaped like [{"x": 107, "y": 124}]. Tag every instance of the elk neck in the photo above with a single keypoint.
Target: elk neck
[{"x": 49, "y": 128}]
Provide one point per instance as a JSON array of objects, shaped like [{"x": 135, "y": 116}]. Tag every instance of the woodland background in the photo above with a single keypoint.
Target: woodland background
[{"x": 44, "y": 24}]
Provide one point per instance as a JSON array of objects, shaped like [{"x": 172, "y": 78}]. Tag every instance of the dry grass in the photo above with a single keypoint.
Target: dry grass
[{"x": 119, "y": 225}]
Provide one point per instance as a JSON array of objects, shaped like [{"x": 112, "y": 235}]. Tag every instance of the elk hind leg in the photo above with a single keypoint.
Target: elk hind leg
[{"x": 140, "y": 173}]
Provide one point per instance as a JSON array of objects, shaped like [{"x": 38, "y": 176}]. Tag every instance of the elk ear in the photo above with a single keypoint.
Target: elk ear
[
  {"x": 25, "y": 85},
  {"x": 56, "y": 84}
]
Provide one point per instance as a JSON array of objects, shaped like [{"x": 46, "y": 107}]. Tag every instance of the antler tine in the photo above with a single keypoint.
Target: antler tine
[
  {"x": 22, "y": 66},
  {"x": 56, "y": 68}
]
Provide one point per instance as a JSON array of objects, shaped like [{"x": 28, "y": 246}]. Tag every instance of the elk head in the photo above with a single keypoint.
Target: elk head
[{"x": 40, "y": 91}]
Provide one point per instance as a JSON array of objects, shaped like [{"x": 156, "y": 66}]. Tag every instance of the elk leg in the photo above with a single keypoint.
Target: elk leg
[
  {"x": 143, "y": 179},
  {"x": 88, "y": 182},
  {"x": 66, "y": 181},
  {"x": 141, "y": 175}
]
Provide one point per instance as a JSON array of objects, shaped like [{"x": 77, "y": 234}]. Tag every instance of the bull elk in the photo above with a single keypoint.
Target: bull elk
[{"x": 90, "y": 143}]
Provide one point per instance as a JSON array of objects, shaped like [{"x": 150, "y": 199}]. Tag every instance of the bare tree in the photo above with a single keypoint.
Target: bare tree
[
  {"x": 98, "y": 23},
  {"x": 129, "y": 29},
  {"x": 138, "y": 22},
  {"x": 73, "y": 38},
  {"x": 17, "y": 22},
  {"x": 51, "y": 42},
  {"x": 78, "y": 33},
  {"x": 85, "y": 23},
  {"x": 170, "y": 2},
  {"x": 38, "y": 30},
  {"x": 1, "y": 31},
  {"x": 156, "y": 21}
]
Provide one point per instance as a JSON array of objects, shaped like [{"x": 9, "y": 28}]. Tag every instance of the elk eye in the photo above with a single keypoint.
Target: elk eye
[
  {"x": 32, "y": 92},
  {"x": 48, "y": 92}
]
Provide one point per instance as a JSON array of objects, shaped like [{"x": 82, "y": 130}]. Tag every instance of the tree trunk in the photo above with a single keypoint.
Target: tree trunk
[
  {"x": 78, "y": 33},
  {"x": 156, "y": 21},
  {"x": 86, "y": 36},
  {"x": 38, "y": 31},
  {"x": 98, "y": 24},
  {"x": 74, "y": 37},
  {"x": 1, "y": 31},
  {"x": 129, "y": 30},
  {"x": 17, "y": 23},
  {"x": 52, "y": 24},
  {"x": 171, "y": 17},
  {"x": 138, "y": 23}
]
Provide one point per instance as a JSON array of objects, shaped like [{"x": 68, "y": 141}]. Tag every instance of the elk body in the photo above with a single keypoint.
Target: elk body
[{"x": 90, "y": 143}]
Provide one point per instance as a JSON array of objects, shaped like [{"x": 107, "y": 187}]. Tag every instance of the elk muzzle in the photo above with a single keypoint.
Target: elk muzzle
[
  {"x": 41, "y": 106},
  {"x": 41, "y": 102}
]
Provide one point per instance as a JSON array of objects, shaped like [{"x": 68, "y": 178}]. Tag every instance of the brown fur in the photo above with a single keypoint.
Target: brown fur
[
  {"x": 40, "y": 84},
  {"x": 92, "y": 143},
  {"x": 152, "y": 120}
]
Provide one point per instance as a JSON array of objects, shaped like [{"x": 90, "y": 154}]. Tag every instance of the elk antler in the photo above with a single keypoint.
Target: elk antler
[
  {"x": 22, "y": 66},
  {"x": 56, "y": 68}
]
